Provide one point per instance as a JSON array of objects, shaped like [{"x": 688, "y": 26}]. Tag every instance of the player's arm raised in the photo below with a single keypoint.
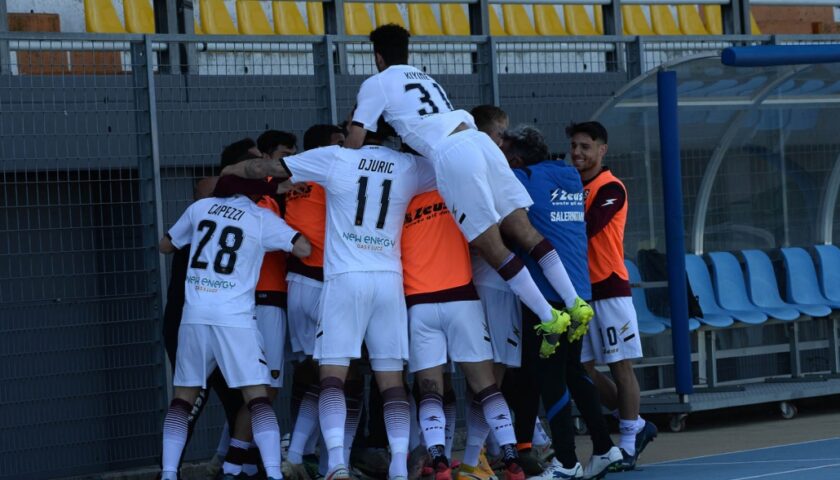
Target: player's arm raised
[
  {"x": 165, "y": 246},
  {"x": 258, "y": 168},
  {"x": 370, "y": 103}
]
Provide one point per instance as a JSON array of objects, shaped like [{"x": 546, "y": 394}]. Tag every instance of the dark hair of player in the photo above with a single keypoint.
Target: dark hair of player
[
  {"x": 320, "y": 136},
  {"x": 528, "y": 144},
  {"x": 383, "y": 132},
  {"x": 595, "y": 130},
  {"x": 391, "y": 42},
  {"x": 233, "y": 152},
  {"x": 269, "y": 140},
  {"x": 486, "y": 115}
]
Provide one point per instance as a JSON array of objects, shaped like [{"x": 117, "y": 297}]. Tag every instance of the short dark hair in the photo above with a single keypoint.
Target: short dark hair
[
  {"x": 528, "y": 144},
  {"x": 595, "y": 130},
  {"x": 234, "y": 152},
  {"x": 383, "y": 132},
  {"x": 269, "y": 140},
  {"x": 319, "y": 136},
  {"x": 486, "y": 115},
  {"x": 391, "y": 42}
]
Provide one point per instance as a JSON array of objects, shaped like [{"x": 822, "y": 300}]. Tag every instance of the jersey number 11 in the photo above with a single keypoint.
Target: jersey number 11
[{"x": 361, "y": 198}]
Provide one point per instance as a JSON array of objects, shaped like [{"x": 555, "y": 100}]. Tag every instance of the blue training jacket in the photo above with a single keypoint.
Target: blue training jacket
[{"x": 558, "y": 214}]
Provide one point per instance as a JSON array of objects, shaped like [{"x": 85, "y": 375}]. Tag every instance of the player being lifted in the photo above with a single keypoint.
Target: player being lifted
[
  {"x": 228, "y": 238},
  {"x": 472, "y": 174}
]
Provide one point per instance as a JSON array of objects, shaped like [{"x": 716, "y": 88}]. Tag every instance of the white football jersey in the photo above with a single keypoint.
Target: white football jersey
[
  {"x": 228, "y": 238},
  {"x": 412, "y": 102},
  {"x": 368, "y": 191}
]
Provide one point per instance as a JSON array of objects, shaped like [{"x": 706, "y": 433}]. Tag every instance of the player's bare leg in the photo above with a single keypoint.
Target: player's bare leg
[
  {"x": 175, "y": 430},
  {"x": 518, "y": 228},
  {"x": 624, "y": 395}
]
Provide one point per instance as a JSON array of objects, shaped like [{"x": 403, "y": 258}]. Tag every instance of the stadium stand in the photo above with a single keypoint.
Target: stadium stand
[
  {"x": 764, "y": 289},
  {"x": 454, "y": 19},
  {"x": 546, "y": 21},
  {"x": 101, "y": 17},
  {"x": 496, "y": 28},
  {"x": 251, "y": 19},
  {"x": 578, "y": 21},
  {"x": 828, "y": 260},
  {"x": 215, "y": 18},
  {"x": 356, "y": 19},
  {"x": 635, "y": 21},
  {"x": 315, "y": 17},
  {"x": 801, "y": 279},
  {"x": 690, "y": 21},
  {"x": 139, "y": 16},
  {"x": 422, "y": 21},
  {"x": 649, "y": 322},
  {"x": 701, "y": 283},
  {"x": 663, "y": 21},
  {"x": 732, "y": 289},
  {"x": 386, "y": 13},
  {"x": 288, "y": 20},
  {"x": 517, "y": 21}
]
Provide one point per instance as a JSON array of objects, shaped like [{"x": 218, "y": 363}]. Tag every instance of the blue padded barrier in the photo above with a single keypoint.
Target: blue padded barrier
[
  {"x": 767, "y": 55},
  {"x": 828, "y": 258},
  {"x": 732, "y": 290},
  {"x": 701, "y": 283},
  {"x": 764, "y": 291},
  {"x": 649, "y": 322},
  {"x": 802, "y": 283}
]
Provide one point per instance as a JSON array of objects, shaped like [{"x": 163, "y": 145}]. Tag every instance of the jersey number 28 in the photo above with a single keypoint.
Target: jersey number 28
[{"x": 230, "y": 239}]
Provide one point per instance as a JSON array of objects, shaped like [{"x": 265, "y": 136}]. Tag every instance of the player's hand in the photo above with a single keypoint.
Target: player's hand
[{"x": 302, "y": 248}]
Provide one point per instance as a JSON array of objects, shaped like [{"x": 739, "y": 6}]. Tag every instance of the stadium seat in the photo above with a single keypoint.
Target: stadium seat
[
  {"x": 689, "y": 19},
  {"x": 251, "y": 19},
  {"x": 287, "y": 19},
  {"x": 356, "y": 19},
  {"x": 732, "y": 289},
  {"x": 139, "y": 16},
  {"x": 754, "y": 30},
  {"x": 578, "y": 21},
  {"x": 599, "y": 19},
  {"x": 635, "y": 22},
  {"x": 215, "y": 19},
  {"x": 197, "y": 28},
  {"x": 802, "y": 283},
  {"x": 546, "y": 21},
  {"x": 663, "y": 21},
  {"x": 701, "y": 284},
  {"x": 496, "y": 28},
  {"x": 517, "y": 21},
  {"x": 388, "y": 13},
  {"x": 422, "y": 21},
  {"x": 315, "y": 17},
  {"x": 764, "y": 291},
  {"x": 454, "y": 20},
  {"x": 828, "y": 257},
  {"x": 649, "y": 322},
  {"x": 101, "y": 17},
  {"x": 714, "y": 21}
]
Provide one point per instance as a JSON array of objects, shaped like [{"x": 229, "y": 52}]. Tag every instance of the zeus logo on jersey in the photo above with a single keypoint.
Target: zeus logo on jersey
[
  {"x": 424, "y": 212},
  {"x": 562, "y": 197}
]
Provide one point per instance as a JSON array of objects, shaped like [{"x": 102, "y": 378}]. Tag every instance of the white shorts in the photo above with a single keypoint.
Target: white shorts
[
  {"x": 475, "y": 180},
  {"x": 304, "y": 306},
  {"x": 613, "y": 333},
  {"x": 504, "y": 318},
  {"x": 456, "y": 328},
  {"x": 238, "y": 352},
  {"x": 271, "y": 322},
  {"x": 362, "y": 306}
]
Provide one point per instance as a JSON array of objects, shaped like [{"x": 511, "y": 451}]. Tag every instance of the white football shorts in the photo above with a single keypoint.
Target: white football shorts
[
  {"x": 238, "y": 352},
  {"x": 613, "y": 332},
  {"x": 457, "y": 329},
  {"x": 271, "y": 322},
  {"x": 304, "y": 307},
  {"x": 504, "y": 319},
  {"x": 475, "y": 180}
]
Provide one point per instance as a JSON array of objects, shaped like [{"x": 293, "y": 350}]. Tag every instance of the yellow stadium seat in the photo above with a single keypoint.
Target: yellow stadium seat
[
  {"x": 287, "y": 19},
  {"x": 713, "y": 19},
  {"x": 315, "y": 15},
  {"x": 197, "y": 28},
  {"x": 387, "y": 13},
  {"x": 251, "y": 18},
  {"x": 421, "y": 20},
  {"x": 356, "y": 19},
  {"x": 577, "y": 20},
  {"x": 662, "y": 20},
  {"x": 546, "y": 20},
  {"x": 635, "y": 22},
  {"x": 599, "y": 19},
  {"x": 754, "y": 30},
  {"x": 215, "y": 19},
  {"x": 139, "y": 16},
  {"x": 517, "y": 21},
  {"x": 101, "y": 17},
  {"x": 496, "y": 28},
  {"x": 454, "y": 19},
  {"x": 690, "y": 22}
]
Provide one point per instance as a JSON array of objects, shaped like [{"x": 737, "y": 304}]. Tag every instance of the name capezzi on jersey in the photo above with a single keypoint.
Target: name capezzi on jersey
[{"x": 225, "y": 211}]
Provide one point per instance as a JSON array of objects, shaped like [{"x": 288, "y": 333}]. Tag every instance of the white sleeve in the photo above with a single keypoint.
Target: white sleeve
[
  {"x": 312, "y": 165},
  {"x": 370, "y": 103},
  {"x": 181, "y": 233},
  {"x": 276, "y": 234},
  {"x": 426, "y": 180}
]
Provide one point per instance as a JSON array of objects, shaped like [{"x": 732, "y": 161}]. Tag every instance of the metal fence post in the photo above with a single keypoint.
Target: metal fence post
[
  {"x": 613, "y": 26},
  {"x": 325, "y": 73},
  {"x": 187, "y": 49},
  {"x": 148, "y": 177},
  {"x": 479, "y": 17},
  {"x": 5, "y": 53},
  {"x": 166, "y": 21},
  {"x": 488, "y": 71},
  {"x": 635, "y": 58}
]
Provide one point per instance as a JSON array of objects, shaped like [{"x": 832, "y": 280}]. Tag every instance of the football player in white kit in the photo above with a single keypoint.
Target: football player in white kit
[
  {"x": 472, "y": 176},
  {"x": 228, "y": 238},
  {"x": 368, "y": 190}
]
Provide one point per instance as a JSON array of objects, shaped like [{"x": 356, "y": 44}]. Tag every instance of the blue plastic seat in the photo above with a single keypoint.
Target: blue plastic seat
[
  {"x": 802, "y": 284},
  {"x": 732, "y": 290},
  {"x": 764, "y": 290},
  {"x": 829, "y": 262},
  {"x": 649, "y": 322},
  {"x": 701, "y": 284}
]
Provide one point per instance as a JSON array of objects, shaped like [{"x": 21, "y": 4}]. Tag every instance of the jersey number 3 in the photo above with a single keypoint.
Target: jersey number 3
[
  {"x": 426, "y": 98},
  {"x": 361, "y": 199},
  {"x": 226, "y": 257}
]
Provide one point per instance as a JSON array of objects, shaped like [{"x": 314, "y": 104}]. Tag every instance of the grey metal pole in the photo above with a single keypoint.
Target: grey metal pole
[
  {"x": 166, "y": 21},
  {"x": 5, "y": 53}
]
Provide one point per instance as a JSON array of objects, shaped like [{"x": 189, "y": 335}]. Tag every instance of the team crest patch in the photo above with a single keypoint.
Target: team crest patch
[{"x": 275, "y": 374}]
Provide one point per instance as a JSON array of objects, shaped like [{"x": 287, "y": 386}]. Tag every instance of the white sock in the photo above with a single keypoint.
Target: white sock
[
  {"x": 628, "y": 430},
  {"x": 513, "y": 271},
  {"x": 555, "y": 272},
  {"x": 540, "y": 437}
]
